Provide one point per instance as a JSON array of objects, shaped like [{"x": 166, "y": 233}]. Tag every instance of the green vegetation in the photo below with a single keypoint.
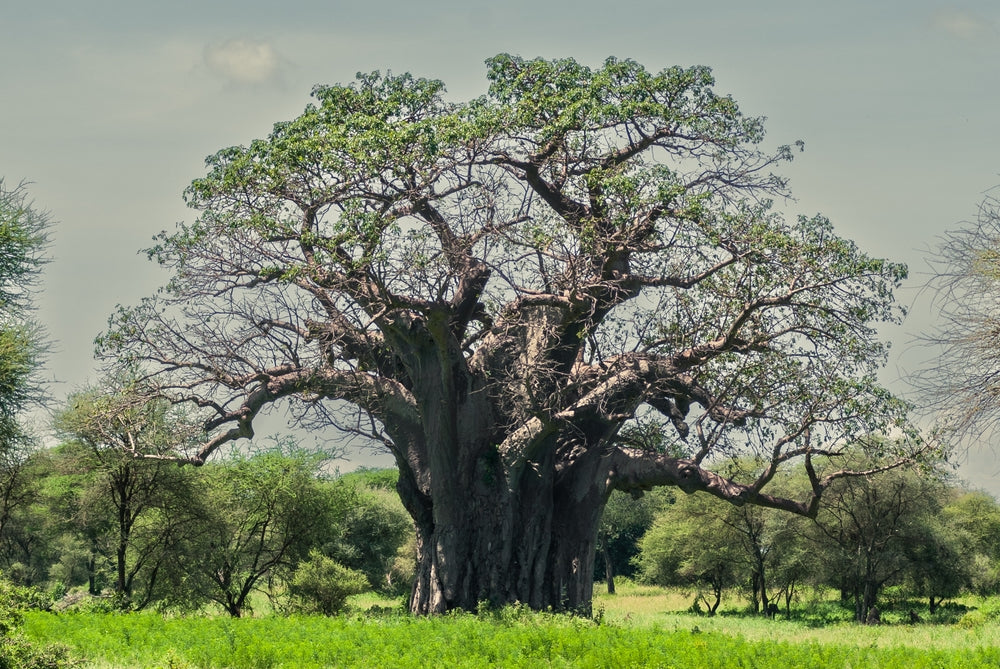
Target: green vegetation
[
  {"x": 515, "y": 637},
  {"x": 16, "y": 651},
  {"x": 135, "y": 534},
  {"x": 322, "y": 585},
  {"x": 23, "y": 241},
  {"x": 906, "y": 529}
]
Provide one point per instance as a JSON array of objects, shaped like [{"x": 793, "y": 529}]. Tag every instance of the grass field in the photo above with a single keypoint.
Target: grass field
[{"x": 639, "y": 627}]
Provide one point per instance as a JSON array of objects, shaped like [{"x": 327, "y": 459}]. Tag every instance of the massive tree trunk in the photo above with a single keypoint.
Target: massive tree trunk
[
  {"x": 502, "y": 551},
  {"x": 502, "y": 538}
]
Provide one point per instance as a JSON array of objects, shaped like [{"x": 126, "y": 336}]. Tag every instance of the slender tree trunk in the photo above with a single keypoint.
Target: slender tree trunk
[
  {"x": 233, "y": 607},
  {"x": 609, "y": 570},
  {"x": 762, "y": 583},
  {"x": 92, "y": 588},
  {"x": 121, "y": 580},
  {"x": 717, "y": 593}
]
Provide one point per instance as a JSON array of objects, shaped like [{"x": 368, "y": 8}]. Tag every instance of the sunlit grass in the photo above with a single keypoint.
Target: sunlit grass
[{"x": 816, "y": 618}]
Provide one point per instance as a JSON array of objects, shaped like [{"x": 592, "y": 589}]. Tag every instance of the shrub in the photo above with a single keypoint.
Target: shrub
[
  {"x": 322, "y": 585},
  {"x": 15, "y": 651}
]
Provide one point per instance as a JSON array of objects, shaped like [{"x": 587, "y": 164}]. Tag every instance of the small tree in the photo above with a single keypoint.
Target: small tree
[
  {"x": 691, "y": 544},
  {"x": 373, "y": 530},
  {"x": 257, "y": 518},
  {"x": 940, "y": 560},
  {"x": 23, "y": 240},
  {"x": 870, "y": 523},
  {"x": 699, "y": 539},
  {"x": 792, "y": 562},
  {"x": 975, "y": 518},
  {"x": 23, "y": 243},
  {"x": 125, "y": 440}
]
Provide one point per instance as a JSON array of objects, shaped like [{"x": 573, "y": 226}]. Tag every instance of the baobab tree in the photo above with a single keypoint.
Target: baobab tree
[{"x": 492, "y": 290}]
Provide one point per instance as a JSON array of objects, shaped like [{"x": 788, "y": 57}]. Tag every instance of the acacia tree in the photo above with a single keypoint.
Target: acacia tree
[
  {"x": 112, "y": 425},
  {"x": 491, "y": 290},
  {"x": 23, "y": 240},
  {"x": 256, "y": 519},
  {"x": 875, "y": 528},
  {"x": 693, "y": 542}
]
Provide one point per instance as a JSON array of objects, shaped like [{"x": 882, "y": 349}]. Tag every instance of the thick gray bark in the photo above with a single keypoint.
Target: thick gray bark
[{"x": 532, "y": 546}]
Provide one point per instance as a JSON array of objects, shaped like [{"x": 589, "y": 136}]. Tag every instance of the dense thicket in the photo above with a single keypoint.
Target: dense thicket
[
  {"x": 907, "y": 529},
  {"x": 146, "y": 533}
]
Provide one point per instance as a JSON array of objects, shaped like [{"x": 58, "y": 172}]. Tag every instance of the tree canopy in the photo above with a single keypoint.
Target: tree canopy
[{"x": 493, "y": 289}]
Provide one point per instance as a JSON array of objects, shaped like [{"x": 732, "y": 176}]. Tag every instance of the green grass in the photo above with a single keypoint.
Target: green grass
[
  {"x": 641, "y": 628},
  {"x": 510, "y": 640},
  {"x": 968, "y": 623}
]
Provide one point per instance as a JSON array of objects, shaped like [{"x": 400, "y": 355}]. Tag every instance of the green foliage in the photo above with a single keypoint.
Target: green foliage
[
  {"x": 374, "y": 530},
  {"x": 374, "y": 478},
  {"x": 321, "y": 585},
  {"x": 874, "y": 529},
  {"x": 626, "y": 519},
  {"x": 692, "y": 543},
  {"x": 890, "y": 529},
  {"x": 973, "y": 519},
  {"x": 129, "y": 504},
  {"x": 137, "y": 533},
  {"x": 256, "y": 518}
]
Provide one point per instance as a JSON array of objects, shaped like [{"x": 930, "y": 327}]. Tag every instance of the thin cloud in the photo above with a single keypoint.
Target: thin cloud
[
  {"x": 244, "y": 61},
  {"x": 963, "y": 25}
]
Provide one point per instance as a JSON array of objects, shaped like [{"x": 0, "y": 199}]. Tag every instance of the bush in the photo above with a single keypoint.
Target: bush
[
  {"x": 15, "y": 651},
  {"x": 18, "y": 653},
  {"x": 322, "y": 585}
]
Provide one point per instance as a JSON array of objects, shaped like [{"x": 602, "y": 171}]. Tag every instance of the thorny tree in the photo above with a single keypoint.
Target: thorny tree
[
  {"x": 962, "y": 382},
  {"x": 110, "y": 424},
  {"x": 497, "y": 287}
]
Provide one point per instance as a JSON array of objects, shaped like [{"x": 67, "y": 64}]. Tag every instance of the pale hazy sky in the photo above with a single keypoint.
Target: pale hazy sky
[{"x": 110, "y": 106}]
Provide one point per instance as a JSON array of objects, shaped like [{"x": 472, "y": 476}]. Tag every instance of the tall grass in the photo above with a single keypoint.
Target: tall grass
[
  {"x": 508, "y": 638},
  {"x": 639, "y": 627}
]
